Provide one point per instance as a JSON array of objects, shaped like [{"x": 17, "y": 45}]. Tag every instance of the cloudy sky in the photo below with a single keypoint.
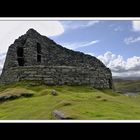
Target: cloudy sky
[{"x": 115, "y": 42}]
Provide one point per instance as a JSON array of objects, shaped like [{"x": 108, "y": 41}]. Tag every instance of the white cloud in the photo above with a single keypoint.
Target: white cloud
[
  {"x": 2, "y": 59},
  {"x": 120, "y": 67},
  {"x": 11, "y": 30},
  {"x": 133, "y": 63},
  {"x": 115, "y": 27},
  {"x": 118, "y": 29},
  {"x": 130, "y": 40},
  {"x": 136, "y": 26},
  {"x": 127, "y": 74},
  {"x": 78, "y": 24},
  {"x": 90, "y": 23},
  {"x": 106, "y": 57},
  {"x": 84, "y": 44},
  {"x": 77, "y": 45}
]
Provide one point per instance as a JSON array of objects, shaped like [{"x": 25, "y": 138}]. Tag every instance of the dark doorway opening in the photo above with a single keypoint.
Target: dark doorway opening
[
  {"x": 38, "y": 58},
  {"x": 20, "y": 56},
  {"x": 38, "y": 52},
  {"x": 21, "y": 61}
]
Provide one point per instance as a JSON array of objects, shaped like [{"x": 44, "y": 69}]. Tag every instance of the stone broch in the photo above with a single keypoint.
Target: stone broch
[{"x": 36, "y": 57}]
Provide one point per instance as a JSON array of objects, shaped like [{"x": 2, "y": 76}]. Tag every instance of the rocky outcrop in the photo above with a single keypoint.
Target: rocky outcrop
[
  {"x": 4, "y": 98},
  {"x": 36, "y": 57},
  {"x": 54, "y": 92},
  {"x": 59, "y": 115}
]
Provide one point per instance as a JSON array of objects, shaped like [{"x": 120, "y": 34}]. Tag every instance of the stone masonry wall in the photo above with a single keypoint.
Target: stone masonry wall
[
  {"x": 52, "y": 54},
  {"x": 60, "y": 75},
  {"x": 57, "y": 65}
]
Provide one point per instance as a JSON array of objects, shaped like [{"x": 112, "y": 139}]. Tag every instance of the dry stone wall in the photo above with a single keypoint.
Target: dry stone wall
[
  {"x": 60, "y": 75},
  {"x": 36, "y": 57}
]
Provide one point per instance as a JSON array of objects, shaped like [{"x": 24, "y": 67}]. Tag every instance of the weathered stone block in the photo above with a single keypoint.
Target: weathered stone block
[{"x": 57, "y": 114}]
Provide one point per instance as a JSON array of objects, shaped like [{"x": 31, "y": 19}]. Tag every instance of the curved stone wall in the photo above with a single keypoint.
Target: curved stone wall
[{"x": 60, "y": 75}]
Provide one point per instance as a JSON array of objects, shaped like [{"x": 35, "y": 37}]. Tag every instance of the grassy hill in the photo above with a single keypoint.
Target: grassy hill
[
  {"x": 127, "y": 85},
  {"x": 76, "y": 102}
]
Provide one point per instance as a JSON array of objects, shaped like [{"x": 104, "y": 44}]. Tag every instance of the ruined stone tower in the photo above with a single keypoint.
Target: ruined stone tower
[{"x": 36, "y": 57}]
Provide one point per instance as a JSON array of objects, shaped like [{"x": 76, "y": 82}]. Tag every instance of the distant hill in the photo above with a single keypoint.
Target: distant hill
[
  {"x": 125, "y": 78},
  {"x": 127, "y": 84}
]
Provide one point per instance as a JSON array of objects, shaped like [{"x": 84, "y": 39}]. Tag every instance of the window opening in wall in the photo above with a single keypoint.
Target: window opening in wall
[
  {"x": 38, "y": 48},
  {"x": 38, "y": 52},
  {"x": 20, "y": 56},
  {"x": 20, "y": 52}
]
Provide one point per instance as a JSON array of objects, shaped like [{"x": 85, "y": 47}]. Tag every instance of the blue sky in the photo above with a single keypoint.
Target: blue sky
[
  {"x": 115, "y": 42},
  {"x": 110, "y": 36}
]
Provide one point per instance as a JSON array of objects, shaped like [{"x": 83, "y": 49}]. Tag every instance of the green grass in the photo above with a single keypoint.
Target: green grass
[{"x": 77, "y": 102}]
